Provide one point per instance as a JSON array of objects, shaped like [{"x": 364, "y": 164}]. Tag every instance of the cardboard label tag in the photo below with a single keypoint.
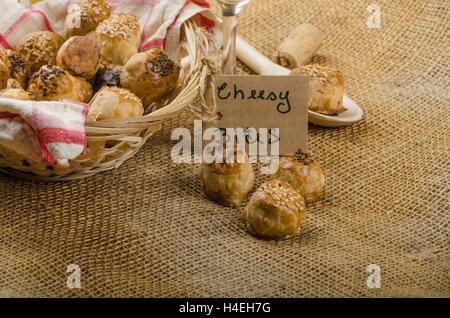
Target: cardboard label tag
[{"x": 265, "y": 102}]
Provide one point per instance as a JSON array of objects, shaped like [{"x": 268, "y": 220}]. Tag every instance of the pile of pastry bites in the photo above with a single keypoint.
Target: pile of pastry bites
[
  {"x": 97, "y": 62},
  {"x": 277, "y": 207}
]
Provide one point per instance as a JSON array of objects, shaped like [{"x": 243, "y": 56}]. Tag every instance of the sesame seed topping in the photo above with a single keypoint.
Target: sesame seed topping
[
  {"x": 120, "y": 24},
  {"x": 126, "y": 94},
  {"x": 302, "y": 157},
  {"x": 281, "y": 193},
  {"x": 315, "y": 70}
]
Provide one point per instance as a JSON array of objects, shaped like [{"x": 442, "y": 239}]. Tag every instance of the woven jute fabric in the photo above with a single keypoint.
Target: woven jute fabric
[{"x": 146, "y": 228}]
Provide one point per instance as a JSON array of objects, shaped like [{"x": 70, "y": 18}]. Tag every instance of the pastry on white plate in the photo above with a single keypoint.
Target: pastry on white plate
[{"x": 326, "y": 89}]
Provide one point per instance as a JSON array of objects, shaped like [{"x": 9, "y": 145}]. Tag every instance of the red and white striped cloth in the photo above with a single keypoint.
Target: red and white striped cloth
[
  {"x": 47, "y": 132},
  {"x": 53, "y": 132},
  {"x": 160, "y": 20}
]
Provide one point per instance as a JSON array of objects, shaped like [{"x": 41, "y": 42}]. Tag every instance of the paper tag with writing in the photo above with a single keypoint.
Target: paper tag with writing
[{"x": 265, "y": 103}]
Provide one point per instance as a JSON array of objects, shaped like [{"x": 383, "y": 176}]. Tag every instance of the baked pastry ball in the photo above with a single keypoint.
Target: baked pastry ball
[
  {"x": 114, "y": 103},
  {"x": 326, "y": 89},
  {"x": 227, "y": 183},
  {"x": 4, "y": 73},
  {"x": 80, "y": 55},
  {"x": 84, "y": 17},
  {"x": 17, "y": 93},
  {"x": 16, "y": 64},
  {"x": 275, "y": 211},
  {"x": 303, "y": 173},
  {"x": 119, "y": 36},
  {"x": 151, "y": 75},
  {"x": 39, "y": 49},
  {"x": 108, "y": 75},
  {"x": 13, "y": 83},
  {"x": 52, "y": 83}
]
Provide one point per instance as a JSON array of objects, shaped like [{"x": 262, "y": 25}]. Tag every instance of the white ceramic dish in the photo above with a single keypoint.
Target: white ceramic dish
[{"x": 350, "y": 116}]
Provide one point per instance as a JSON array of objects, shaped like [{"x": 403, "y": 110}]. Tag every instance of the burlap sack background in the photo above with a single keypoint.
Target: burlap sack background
[{"x": 146, "y": 228}]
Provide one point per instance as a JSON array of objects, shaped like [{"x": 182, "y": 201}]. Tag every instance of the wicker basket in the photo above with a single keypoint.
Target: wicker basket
[{"x": 128, "y": 135}]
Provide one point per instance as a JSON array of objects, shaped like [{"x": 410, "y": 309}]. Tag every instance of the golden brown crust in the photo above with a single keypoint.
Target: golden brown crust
[
  {"x": 52, "y": 83},
  {"x": 303, "y": 173},
  {"x": 4, "y": 74},
  {"x": 39, "y": 49},
  {"x": 119, "y": 36},
  {"x": 80, "y": 56},
  {"x": 13, "y": 83},
  {"x": 16, "y": 64},
  {"x": 275, "y": 210},
  {"x": 227, "y": 183},
  {"x": 326, "y": 89},
  {"x": 84, "y": 17},
  {"x": 114, "y": 103},
  {"x": 17, "y": 93},
  {"x": 119, "y": 25},
  {"x": 151, "y": 75}
]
